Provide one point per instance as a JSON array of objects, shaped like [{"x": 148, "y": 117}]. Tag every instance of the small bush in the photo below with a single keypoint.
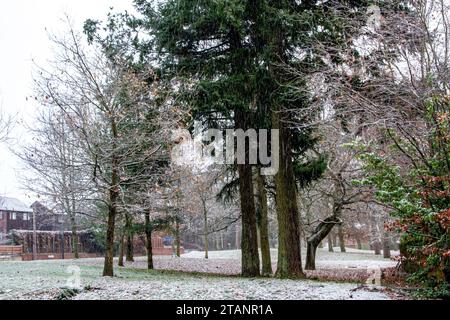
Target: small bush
[{"x": 67, "y": 293}]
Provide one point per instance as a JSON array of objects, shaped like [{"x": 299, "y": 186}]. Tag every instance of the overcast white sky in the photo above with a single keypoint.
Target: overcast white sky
[{"x": 23, "y": 38}]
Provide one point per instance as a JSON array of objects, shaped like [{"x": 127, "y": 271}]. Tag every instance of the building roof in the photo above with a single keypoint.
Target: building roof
[{"x": 12, "y": 204}]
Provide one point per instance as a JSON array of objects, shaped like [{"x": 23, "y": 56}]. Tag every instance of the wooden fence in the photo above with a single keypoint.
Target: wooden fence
[{"x": 11, "y": 250}]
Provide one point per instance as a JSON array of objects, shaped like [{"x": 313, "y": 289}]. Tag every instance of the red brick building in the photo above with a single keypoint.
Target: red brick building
[
  {"x": 14, "y": 214},
  {"x": 16, "y": 228}
]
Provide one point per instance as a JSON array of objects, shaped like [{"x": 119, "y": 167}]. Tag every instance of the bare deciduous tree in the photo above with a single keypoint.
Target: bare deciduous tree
[{"x": 111, "y": 108}]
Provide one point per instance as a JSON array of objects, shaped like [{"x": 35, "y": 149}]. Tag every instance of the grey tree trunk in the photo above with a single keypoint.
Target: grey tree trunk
[
  {"x": 263, "y": 224},
  {"x": 205, "y": 229},
  {"x": 177, "y": 238},
  {"x": 377, "y": 247},
  {"x": 130, "y": 237},
  {"x": 237, "y": 240},
  {"x": 74, "y": 238},
  {"x": 341, "y": 238},
  {"x": 121, "y": 249},
  {"x": 386, "y": 245},
  {"x": 330, "y": 243},
  {"x": 148, "y": 242},
  {"x": 206, "y": 246},
  {"x": 311, "y": 250},
  {"x": 35, "y": 243},
  {"x": 375, "y": 233},
  {"x": 320, "y": 232},
  {"x": 108, "y": 268},
  {"x": 73, "y": 222},
  {"x": 358, "y": 242}
]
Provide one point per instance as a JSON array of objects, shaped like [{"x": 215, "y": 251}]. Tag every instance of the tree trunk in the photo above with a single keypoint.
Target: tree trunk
[
  {"x": 330, "y": 243},
  {"x": 73, "y": 223},
  {"x": 310, "y": 256},
  {"x": 341, "y": 238},
  {"x": 205, "y": 229},
  {"x": 320, "y": 232},
  {"x": 74, "y": 241},
  {"x": 35, "y": 243},
  {"x": 148, "y": 242},
  {"x": 249, "y": 239},
  {"x": 130, "y": 237},
  {"x": 177, "y": 238},
  {"x": 386, "y": 246},
  {"x": 108, "y": 269},
  {"x": 375, "y": 233},
  {"x": 263, "y": 224},
  {"x": 237, "y": 240},
  {"x": 289, "y": 257},
  {"x": 63, "y": 243},
  {"x": 206, "y": 245},
  {"x": 121, "y": 249},
  {"x": 377, "y": 247},
  {"x": 358, "y": 242}
]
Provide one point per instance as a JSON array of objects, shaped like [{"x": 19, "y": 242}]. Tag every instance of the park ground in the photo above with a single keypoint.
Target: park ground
[{"x": 339, "y": 276}]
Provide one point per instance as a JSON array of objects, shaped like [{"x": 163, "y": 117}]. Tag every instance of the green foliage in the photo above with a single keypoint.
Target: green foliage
[
  {"x": 235, "y": 55},
  {"x": 98, "y": 238},
  {"x": 419, "y": 195},
  {"x": 229, "y": 192},
  {"x": 156, "y": 224},
  {"x": 67, "y": 293},
  {"x": 306, "y": 172}
]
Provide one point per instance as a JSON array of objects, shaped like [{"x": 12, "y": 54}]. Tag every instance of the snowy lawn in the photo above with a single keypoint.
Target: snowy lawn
[
  {"x": 351, "y": 266},
  {"x": 351, "y": 259},
  {"x": 45, "y": 279}
]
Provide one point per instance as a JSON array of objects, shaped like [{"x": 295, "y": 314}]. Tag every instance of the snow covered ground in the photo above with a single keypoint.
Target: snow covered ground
[
  {"x": 353, "y": 258},
  {"x": 45, "y": 279},
  {"x": 220, "y": 288}
]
